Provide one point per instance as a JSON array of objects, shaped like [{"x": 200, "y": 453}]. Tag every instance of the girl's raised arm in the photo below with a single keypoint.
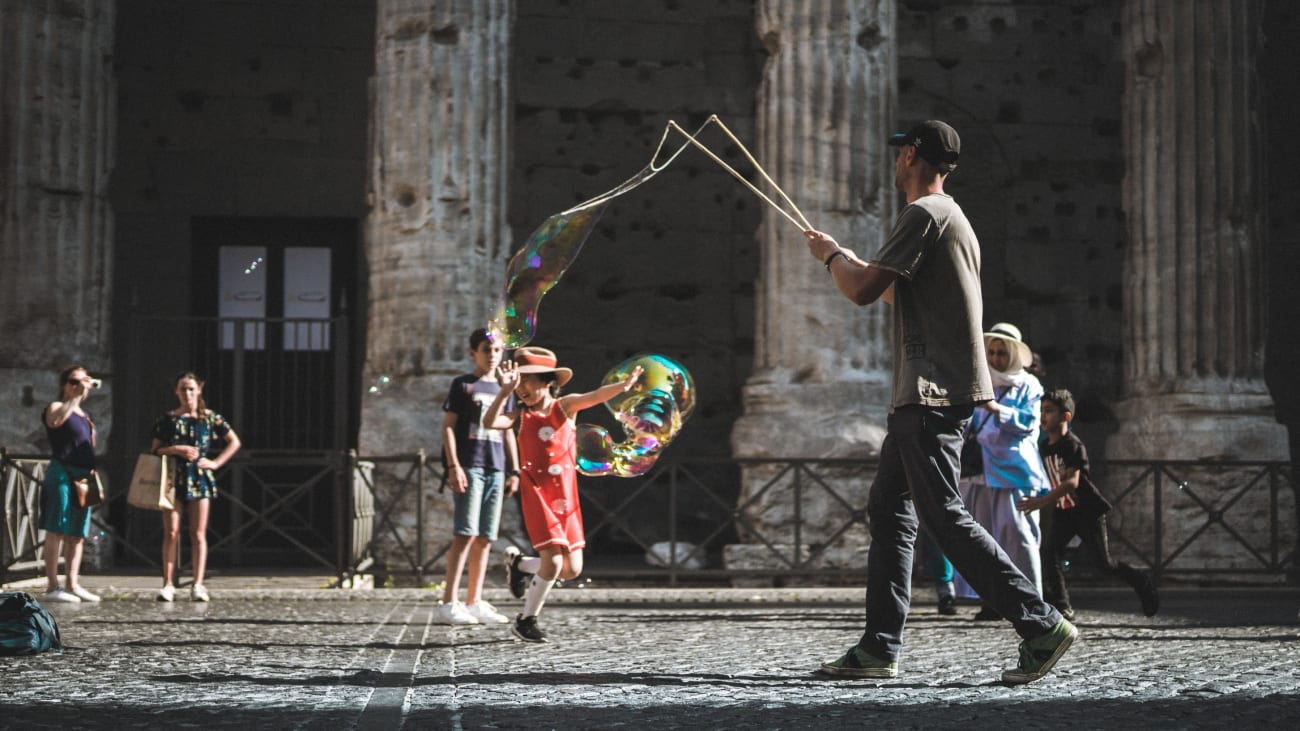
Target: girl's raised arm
[
  {"x": 575, "y": 402},
  {"x": 507, "y": 379}
]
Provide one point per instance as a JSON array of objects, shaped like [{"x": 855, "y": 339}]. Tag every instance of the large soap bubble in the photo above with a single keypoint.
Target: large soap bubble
[
  {"x": 535, "y": 268},
  {"x": 651, "y": 414}
]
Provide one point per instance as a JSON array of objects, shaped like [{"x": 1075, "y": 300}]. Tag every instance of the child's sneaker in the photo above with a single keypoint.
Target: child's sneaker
[
  {"x": 515, "y": 578},
  {"x": 452, "y": 613},
  {"x": 858, "y": 663},
  {"x": 1037, "y": 656},
  {"x": 527, "y": 630},
  {"x": 486, "y": 613}
]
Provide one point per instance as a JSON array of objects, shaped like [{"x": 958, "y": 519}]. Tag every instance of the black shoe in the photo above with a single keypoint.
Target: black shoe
[
  {"x": 947, "y": 605},
  {"x": 987, "y": 614},
  {"x": 516, "y": 579},
  {"x": 527, "y": 630},
  {"x": 1146, "y": 590}
]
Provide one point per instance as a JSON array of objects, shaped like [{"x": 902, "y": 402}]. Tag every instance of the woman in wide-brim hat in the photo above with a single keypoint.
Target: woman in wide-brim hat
[
  {"x": 548, "y": 466},
  {"x": 1007, "y": 431}
]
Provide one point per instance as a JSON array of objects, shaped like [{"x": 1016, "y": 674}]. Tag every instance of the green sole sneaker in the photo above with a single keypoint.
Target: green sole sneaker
[
  {"x": 857, "y": 663},
  {"x": 1039, "y": 655}
]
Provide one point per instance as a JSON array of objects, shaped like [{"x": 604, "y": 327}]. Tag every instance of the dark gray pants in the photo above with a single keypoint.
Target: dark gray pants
[{"x": 917, "y": 478}]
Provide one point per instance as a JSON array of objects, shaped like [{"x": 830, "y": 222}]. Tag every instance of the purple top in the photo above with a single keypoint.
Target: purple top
[{"x": 73, "y": 442}]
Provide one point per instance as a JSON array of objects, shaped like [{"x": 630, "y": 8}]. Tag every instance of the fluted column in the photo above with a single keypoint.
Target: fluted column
[
  {"x": 820, "y": 386},
  {"x": 1194, "y": 284},
  {"x": 437, "y": 234},
  {"x": 57, "y": 109},
  {"x": 825, "y": 110}
]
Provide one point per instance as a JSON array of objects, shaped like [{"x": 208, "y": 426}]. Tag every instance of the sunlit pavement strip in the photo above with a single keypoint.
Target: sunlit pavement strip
[{"x": 648, "y": 659}]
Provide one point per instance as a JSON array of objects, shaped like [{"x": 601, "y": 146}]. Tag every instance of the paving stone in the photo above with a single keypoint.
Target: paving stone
[{"x": 639, "y": 658}]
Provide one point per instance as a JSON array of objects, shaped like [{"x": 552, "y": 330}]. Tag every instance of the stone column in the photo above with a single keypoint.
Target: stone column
[
  {"x": 437, "y": 237},
  {"x": 1194, "y": 284},
  {"x": 820, "y": 386},
  {"x": 57, "y": 110}
]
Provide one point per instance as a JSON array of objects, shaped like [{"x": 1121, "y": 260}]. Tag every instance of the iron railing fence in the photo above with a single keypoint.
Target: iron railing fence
[{"x": 687, "y": 520}]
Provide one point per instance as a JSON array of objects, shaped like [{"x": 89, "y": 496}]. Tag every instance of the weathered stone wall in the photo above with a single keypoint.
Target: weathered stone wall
[
  {"x": 56, "y": 239},
  {"x": 229, "y": 109},
  {"x": 671, "y": 266},
  {"x": 1034, "y": 90}
]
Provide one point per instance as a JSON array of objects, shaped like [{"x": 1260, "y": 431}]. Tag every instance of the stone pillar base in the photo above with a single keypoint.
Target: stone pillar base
[
  {"x": 1200, "y": 426},
  {"x": 784, "y": 419}
]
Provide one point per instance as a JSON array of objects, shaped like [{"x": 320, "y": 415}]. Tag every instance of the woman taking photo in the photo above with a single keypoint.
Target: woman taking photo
[
  {"x": 188, "y": 436},
  {"x": 71, "y": 434}
]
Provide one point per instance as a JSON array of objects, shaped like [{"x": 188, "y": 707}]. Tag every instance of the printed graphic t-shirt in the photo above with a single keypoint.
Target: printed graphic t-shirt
[{"x": 468, "y": 397}]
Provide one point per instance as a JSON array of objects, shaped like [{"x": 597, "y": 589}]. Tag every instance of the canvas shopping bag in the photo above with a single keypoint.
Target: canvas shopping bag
[{"x": 150, "y": 488}]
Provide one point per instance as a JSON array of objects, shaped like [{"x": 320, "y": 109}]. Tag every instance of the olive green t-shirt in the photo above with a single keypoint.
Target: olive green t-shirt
[{"x": 938, "y": 306}]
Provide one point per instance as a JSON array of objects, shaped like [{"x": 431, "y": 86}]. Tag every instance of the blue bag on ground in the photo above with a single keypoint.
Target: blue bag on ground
[{"x": 26, "y": 628}]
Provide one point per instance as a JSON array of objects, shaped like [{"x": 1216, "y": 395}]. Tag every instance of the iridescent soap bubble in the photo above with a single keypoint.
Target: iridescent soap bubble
[
  {"x": 536, "y": 268},
  {"x": 652, "y": 414}
]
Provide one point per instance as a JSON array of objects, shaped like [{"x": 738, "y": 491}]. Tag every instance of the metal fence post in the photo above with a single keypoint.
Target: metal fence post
[
  {"x": 672, "y": 525},
  {"x": 798, "y": 513},
  {"x": 419, "y": 517},
  {"x": 1158, "y": 524}
]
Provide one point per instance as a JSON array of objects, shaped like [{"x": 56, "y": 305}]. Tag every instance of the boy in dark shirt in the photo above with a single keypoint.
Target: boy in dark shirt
[{"x": 1078, "y": 508}]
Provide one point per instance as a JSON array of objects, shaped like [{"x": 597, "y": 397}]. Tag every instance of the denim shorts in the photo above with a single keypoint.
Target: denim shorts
[{"x": 478, "y": 509}]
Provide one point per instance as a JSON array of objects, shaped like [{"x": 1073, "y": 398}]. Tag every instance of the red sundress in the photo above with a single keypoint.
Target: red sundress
[{"x": 548, "y": 485}]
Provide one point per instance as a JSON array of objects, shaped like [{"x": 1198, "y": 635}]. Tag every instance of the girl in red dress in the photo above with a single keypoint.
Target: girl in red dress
[{"x": 548, "y": 486}]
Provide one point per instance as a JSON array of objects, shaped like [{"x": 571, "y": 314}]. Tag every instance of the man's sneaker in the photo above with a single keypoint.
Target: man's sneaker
[
  {"x": 527, "y": 630},
  {"x": 1037, "y": 656},
  {"x": 167, "y": 593},
  {"x": 85, "y": 596},
  {"x": 947, "y": 605},
  {"x": 486, "y": 613},
  {"x": 199, "y": 594},
  {"x": 858, "y": 663},
  {"x": 515, "y": 578},
  {"x": 1150, "y": 597},
  {"x": 59, "y": 594},
  {"x": 452, "y": 613}
]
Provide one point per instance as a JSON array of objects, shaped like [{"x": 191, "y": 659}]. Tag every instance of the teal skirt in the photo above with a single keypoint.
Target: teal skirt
[{"x": 59, "y": 510}]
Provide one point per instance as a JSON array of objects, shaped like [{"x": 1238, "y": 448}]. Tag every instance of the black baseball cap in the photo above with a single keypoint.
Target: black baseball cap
[{"x": 936, "y": 142}]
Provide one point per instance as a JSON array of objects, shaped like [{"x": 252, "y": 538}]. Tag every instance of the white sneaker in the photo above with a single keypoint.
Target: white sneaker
[
  {"x": 167, "y": 593},
  {"x": 85, "y": 595},
  {"x": 199, "y": 594},
  {"x": 59, "y": 594},
  {"x": 453, "y": 613},
  {"x": 486, "y": 613}
]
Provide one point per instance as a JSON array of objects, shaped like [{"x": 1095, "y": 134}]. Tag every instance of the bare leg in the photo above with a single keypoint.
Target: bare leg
[
  {"x": 455, "y": 565},
  {"x": 72, "y": 547},
  {"x": 572, "y": 565},
  {"x": 51, "y": 554},
  {"x": 480, "y": 549},
  {"x": 199, "y": 537},
  {"x": 171, "y": 520}
]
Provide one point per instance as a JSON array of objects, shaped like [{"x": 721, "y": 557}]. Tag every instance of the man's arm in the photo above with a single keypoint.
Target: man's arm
[{"x": 857, "y": 280}]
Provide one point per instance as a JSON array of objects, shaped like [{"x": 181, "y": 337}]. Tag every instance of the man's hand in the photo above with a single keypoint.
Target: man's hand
[{"x": 820, "y": 245}]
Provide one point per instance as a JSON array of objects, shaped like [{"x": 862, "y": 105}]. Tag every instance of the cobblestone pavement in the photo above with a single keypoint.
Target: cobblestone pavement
[{"x": 725, "y": 659}]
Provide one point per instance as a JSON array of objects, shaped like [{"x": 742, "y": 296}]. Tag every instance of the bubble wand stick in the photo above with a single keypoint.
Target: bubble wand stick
[{"x": 801, "y": 222}]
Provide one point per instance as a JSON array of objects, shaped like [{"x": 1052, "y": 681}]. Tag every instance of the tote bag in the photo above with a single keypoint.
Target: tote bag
[{"x": 150, "y": 488}]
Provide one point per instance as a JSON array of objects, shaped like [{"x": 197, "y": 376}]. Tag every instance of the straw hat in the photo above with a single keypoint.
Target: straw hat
[
  {"x": 540, "y": 360},
  {"x": 1010, "y": 334}
]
